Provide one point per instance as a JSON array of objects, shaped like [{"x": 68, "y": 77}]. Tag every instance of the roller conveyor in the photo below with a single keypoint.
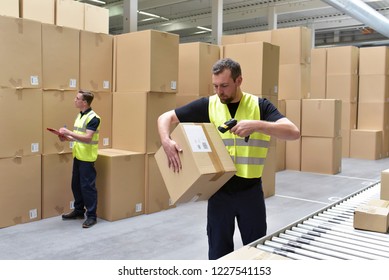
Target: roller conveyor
[{"x": 329, "y": 234}]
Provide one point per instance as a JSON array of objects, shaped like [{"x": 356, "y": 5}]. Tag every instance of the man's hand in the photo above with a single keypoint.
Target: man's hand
[{"x": 172, "y": 151}]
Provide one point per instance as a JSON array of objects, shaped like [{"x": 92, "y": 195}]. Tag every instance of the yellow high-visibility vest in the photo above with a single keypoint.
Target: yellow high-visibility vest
[
  {"x": 85, "y": 151},
  {"x": 249, "y": 157}
]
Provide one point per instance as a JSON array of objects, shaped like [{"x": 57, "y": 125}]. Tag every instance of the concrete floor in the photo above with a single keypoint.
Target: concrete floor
[{"x": 180, "y": 233}]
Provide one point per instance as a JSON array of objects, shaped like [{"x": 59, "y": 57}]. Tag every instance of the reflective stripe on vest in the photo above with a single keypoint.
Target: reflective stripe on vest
[
  {"x": 85, "y": 151},
  {"x": 249, "y": 157}
]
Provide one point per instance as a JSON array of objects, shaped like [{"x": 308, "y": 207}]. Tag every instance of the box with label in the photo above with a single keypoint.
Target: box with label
[
  {"x": 147, "y": 61},
  {"x": 20, "y": 53},
  {"x": 96, "y": 61},
  {"x": 20, "y": 190},
  {"x": 120, "y": 184},
  {"x": 21, "y": 122},
  {"x": 58, "y": 111},
  {"x": 206, "y": 164},
  {"x": 294, "y": 81},
  {"x": 60, "y": 57}
]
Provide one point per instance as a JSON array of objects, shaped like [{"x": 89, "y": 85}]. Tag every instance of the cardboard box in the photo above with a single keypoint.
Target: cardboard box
[
  {"x": 157, "y": 197},
  {"x": 195, "y": 68},
  {"x": 233, "y": 39},
  {"x": 21, "y": 122},
  {"x": 373, "y": 115},
  {"x": 321, "y": 117},
  {"x": 70, "y": 14},
  {"x": 371, "y": 217},
  {"x": 342, "y": 60},
  {"x": 260, "y": 66},
  {"x": 294, "y": 81},
  {"x": 39, "y": 10},
  {"x": 60, "y": 57},
  {"x": 134, "y": 124},
  {"x": 206, "y": 164},
  {"x": 102, "y": 105},
  {"x": 366, "y": 144},
  {"x": 96, "y": 19},
  {"x": 384, "y": 194},
  {"x": 96, "y": 61},
  {"x": 295, "y": 44},
  {"x": 57, "y": 196},
  {"x": 321, "y": 155},
  {"x": 147, "y": 61},
  {"x": 374, "y": 60},
  {"x": 9, "y": 8},
  {"x": 20, "y": 190},
  {"x": 319, "y": 62},
  {"x": 120, "y": 184},
  {"x": 343, "y": 87},
  {"x": 258, "y": 36},
  {"x": 373, "y": 88},
  {"x": 20, "y": 53},
  {"x": 252, "y": 253},
  {"x": 58, "y": 111}
]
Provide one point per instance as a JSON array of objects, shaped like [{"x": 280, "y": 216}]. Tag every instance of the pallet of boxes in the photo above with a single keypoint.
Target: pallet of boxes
[{"x": 374, "y": 216}]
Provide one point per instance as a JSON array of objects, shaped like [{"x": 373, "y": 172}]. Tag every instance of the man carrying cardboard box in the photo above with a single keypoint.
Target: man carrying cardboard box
[{"x": 242, "y": 196}]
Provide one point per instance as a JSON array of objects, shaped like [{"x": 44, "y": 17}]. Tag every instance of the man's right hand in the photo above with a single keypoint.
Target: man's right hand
[{"x": 172, "y": 150}]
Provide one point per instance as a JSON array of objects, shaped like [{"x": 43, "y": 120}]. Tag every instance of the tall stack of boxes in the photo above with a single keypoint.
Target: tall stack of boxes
[
  {"x": 371, "y": 138},
  {"x": 342, "y": 84},
  {"x": 21, "y": 106},
  {"x": 146, "y": 73}
]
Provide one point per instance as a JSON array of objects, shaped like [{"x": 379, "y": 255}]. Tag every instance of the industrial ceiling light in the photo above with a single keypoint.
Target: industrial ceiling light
[
  {"x": 152, "y": 15},
  {"x": 95, "y": 1},
  {"x": 204, "y": 28}
]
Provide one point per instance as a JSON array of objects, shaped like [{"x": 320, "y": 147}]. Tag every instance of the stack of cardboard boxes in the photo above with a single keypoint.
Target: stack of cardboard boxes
[{"x": 67, "y": 13}]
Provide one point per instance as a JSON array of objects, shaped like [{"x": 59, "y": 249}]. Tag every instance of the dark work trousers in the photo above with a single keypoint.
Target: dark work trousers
[
  {"x": 84, "y": 187},
  {"x": 247, "y": 205}
]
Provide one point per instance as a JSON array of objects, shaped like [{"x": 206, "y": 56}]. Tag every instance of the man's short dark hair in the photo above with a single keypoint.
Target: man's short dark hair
[
  {"x": 87, "y": 96},
  {"x": 227, "y": 63}
]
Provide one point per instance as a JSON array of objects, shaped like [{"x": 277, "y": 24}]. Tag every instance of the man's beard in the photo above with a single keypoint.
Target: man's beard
[{"x": 226, "y": 101}]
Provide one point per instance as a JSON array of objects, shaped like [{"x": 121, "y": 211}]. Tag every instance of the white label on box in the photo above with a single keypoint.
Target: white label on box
[
  {"x": 73, "y": 83},
  {"x": 106, "y": 84},
  {"x": 197, "y": 139},
  {"x": 34, "y": 147},
  {"x": 71, "y": 144},
  {"x": 34, "y": 80},
  {"x": 105, "y": 141},
  {"x": 71, "y": 206},
  {"x": 275, "y": 89},
  {"x": 138, "y": 207},
  {"x": 173, "y": 85},
  {"x": 33, "y": 214}
]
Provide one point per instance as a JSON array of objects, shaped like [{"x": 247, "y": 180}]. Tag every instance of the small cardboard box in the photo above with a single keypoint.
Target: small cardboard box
[
  {"x": 373, "y": 216},
  {"x": 206, "y": 164}
]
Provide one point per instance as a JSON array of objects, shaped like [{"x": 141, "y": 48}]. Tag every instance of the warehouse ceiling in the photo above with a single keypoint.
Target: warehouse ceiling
[{"x": 192, "y": 19}]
